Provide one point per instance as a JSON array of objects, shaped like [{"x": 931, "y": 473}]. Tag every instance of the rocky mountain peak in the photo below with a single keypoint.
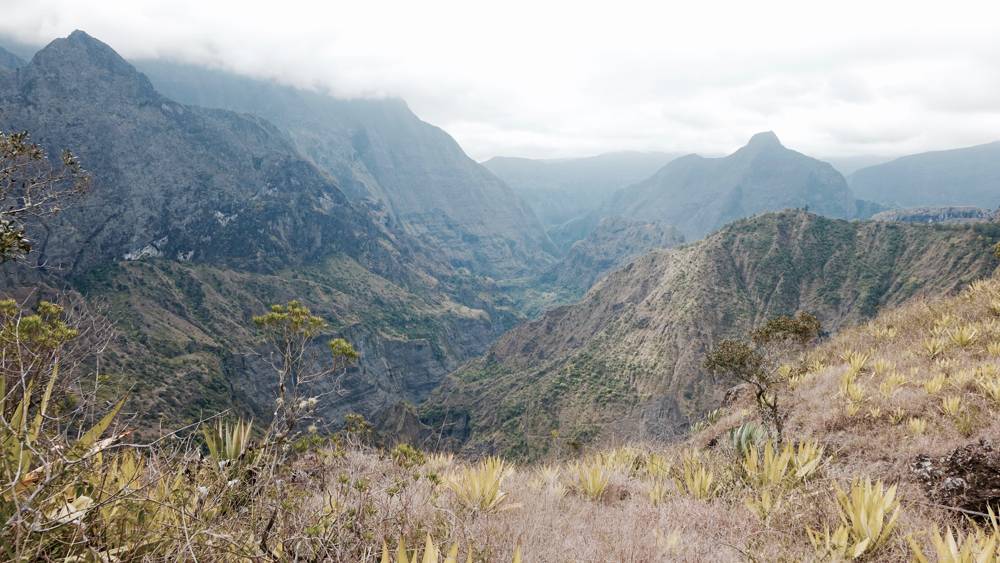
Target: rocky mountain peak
[
  {"x": 84, "y": 66},
  {"x": 699, "y": 195},
  {"x": 764, "y": 140}
]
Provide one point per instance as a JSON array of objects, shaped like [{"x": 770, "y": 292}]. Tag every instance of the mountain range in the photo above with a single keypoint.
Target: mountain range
[{"x": 200, "y": 218}]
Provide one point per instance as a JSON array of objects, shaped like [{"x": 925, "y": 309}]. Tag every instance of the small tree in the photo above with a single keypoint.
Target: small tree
[
  {"x": 31, "y": 186},
  {"x": 289, "y": 329},
  {"x": 757, "y": 362}
]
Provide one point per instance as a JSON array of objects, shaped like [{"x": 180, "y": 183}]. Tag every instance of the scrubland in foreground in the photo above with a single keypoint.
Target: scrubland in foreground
[{"x": 873, "y": 415}]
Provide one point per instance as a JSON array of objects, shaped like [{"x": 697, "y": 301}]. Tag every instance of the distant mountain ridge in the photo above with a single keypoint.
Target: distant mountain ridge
[
  {"x": 958, "y": 177},
  {"x": 699, "y": 195},
  {"x": 626, "y": 361}
]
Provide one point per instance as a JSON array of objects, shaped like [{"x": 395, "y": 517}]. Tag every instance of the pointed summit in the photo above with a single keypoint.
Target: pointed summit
[
  {"x": 766, "y": 139},
  {"x": 83, "y": 65},
  {"x": 699, "y": 195}
]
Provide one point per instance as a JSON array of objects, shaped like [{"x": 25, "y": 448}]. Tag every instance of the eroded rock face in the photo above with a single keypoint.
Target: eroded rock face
[
  {"x": 385, "y": 158},
  {"x": 967, "y": 478}
]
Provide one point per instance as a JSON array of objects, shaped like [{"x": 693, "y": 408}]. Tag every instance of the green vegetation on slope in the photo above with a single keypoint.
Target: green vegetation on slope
[{"x": 634, "y": 343}]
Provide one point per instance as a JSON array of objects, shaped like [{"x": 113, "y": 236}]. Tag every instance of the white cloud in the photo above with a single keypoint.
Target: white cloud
[{"x": 562, "y": 78}]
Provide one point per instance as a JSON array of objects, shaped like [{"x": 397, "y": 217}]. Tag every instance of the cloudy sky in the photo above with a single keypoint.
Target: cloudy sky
[{"x": 552, "y": 79}]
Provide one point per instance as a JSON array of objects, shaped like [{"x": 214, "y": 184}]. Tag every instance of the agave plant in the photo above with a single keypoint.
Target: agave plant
[
  {"x": 747, "y": 435},
  {"x": 933, "y": 347},
  {"x": 949, "y": 547},
  {"x": 227, "y": 442},
  {"x": 868, "y": 512},
  {"x": 763, "y": 503},
  {"x": 993, "y": 348},
  {"x": 807, "y": 459},
  {"x": 964, "y": 336},
  {"x": 657, "y": 493},
  {"x": 626, "y": 459},
  {"x": 990, "y": 389},
  {"x": 882, "y": 366},
  {"x": 770, "y": 468},
  {"x": 951, "y": 406},
  {"x": 857, "y": 361},
  {"x": 21, "y": 466},
  {"x": 697, "y": 479},
  {"x": 891, "y": 383},
  {"x": 934, "y": 385},
  {"x": 657, "y": 466},
  {"x": 592, "y": 478},
  {"x": 916, "y": 425},
  {"x": 479, "y": 487},
  {"x": 431, "y": 553}
]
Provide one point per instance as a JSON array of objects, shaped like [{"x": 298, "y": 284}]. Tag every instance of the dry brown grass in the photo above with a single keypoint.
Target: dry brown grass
[{"x": 920, "y": 379}]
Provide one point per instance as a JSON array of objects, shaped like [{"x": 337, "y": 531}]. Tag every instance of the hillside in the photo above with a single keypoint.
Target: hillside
[
  {"x": 699, "y": 195},
  {"x": 611, "y": 244},
  {"x": 627, "y": 359},
  {"x": 385, "y": 158},
  {"x": 559, "y": 190},
  {"x": 199, "y": 219},
  {"x": 968, "y": 176}
]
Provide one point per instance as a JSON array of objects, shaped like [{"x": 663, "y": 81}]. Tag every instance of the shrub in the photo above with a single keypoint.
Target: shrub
[
  {"x": 406, "y": 456},
  {"x": 760, "y": 361}
]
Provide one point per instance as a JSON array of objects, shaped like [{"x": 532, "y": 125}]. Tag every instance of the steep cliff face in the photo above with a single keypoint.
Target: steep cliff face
[
  {"x": 699, "y": 195},
  {"x": 171, "y": 180},
  {"x": 197, "y": 219},
  {"x": 967, "y": 176},
  {"x": 627, "y": 359},
  {"x": 409, "y": 171}
]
